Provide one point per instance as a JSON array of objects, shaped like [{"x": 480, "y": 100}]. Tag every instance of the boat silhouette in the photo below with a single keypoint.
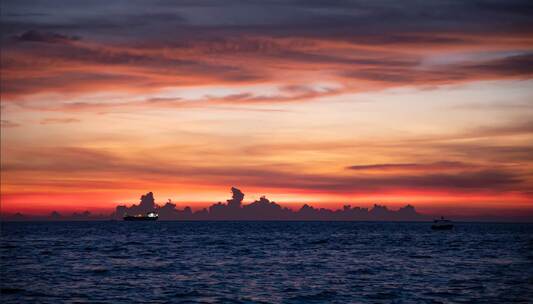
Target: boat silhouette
[
  {"x": 442, "y": 224},
  {"x": 150, "y": 216}
]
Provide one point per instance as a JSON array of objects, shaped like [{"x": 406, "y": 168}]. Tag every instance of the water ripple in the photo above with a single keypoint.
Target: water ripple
[{"x": 264, "y": 262}]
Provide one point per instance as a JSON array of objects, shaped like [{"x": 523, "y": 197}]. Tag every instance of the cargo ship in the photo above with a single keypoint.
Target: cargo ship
[{"x": 150, "y": 216}]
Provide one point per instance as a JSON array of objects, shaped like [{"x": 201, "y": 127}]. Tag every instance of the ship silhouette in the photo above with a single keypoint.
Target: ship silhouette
[
  {"x": 442, "y": 224},
  {"x": 150, "y": 216}
]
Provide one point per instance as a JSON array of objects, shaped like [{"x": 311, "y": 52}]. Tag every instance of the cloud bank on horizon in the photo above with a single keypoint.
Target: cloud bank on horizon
[{"x": 316, "y": 101}]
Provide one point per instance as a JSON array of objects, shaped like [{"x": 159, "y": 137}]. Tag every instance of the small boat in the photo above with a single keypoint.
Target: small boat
[
  {"x": 442, "y": 224},
  {"x": 150, "y": 216}
]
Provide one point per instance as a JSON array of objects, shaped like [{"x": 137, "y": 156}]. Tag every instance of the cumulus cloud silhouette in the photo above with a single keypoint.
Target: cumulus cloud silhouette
[{"x": 264, "y": 209}]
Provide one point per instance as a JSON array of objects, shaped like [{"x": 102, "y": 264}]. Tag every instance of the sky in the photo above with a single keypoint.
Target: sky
[{"x": 321, "y": 102}]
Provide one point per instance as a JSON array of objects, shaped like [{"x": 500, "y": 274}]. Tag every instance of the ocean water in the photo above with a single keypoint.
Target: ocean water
[{"x": 265, "y": 262}]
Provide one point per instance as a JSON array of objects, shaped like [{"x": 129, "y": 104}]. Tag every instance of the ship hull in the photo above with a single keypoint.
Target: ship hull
[
  {"x": 140, "y": 218},
  {"x": 442, "y": 227}
]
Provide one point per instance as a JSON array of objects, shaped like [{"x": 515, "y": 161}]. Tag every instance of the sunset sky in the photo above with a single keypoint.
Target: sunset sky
[{"x": 320, "y": 102}]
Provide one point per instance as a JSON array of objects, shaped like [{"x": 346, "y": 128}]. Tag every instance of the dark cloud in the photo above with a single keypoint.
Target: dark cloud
[
  {"x": 46, "y": 37},
  {"x": 443, "y": 165},
  {"x": 512, "y": 65},
  {"x": 180, "y": 44},
  {"x": 334, "y": 19},
  {"x": 485, "y": 180},
  {"x": 355, "y": 21},
  {"x": 519, "y": 66}
]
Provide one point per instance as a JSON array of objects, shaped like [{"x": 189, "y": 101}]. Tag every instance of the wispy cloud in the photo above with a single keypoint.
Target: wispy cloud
[
  {"x": 442, "y": 165},
  {"x": 48, "y": 121},
  {"x": 90, "y": 161},
  {"x": 175, "y": 46},
  {"x": 8, "y": 124}
]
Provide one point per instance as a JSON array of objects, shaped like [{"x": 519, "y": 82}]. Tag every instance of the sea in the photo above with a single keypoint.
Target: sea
[{"x": 265, "y": 262}]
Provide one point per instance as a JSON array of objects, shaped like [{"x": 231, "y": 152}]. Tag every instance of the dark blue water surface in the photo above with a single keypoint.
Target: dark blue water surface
[{"x": 265, "y": 262}]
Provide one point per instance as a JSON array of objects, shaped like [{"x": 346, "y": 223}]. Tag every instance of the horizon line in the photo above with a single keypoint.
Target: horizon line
[{"x": 235, "y": 207}]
